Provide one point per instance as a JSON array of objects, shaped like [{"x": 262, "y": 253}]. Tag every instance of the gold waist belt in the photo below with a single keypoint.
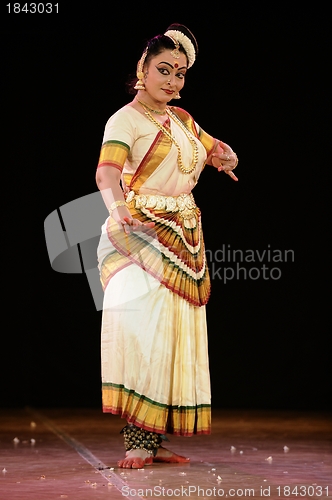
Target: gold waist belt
[{"x": 184, "y": 203}]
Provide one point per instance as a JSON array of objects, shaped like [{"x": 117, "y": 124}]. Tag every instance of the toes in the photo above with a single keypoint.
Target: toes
[
  {"x": 131, "y": 463},
  {"x": 125, "y": 464}
]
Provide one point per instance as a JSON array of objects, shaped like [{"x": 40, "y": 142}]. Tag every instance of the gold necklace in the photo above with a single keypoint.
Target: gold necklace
[
  {"x": 150, "y": 109},
  {"x": 183, "y": 169}
]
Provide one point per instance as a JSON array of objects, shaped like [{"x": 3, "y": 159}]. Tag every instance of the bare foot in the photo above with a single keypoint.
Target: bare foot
[
  {"x": 165, "y": 455},
  {"x": 136, "y": 459}
]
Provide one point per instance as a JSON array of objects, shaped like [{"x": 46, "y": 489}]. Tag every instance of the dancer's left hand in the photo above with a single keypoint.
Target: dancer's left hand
[{"x": 225, "y": 160}]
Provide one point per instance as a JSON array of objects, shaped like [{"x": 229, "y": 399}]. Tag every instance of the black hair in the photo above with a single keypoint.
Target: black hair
[{"x": 158, "y": 44}]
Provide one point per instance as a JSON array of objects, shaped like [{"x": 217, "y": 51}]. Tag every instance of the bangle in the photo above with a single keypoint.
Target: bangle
[{"x": 115, "y": 204}]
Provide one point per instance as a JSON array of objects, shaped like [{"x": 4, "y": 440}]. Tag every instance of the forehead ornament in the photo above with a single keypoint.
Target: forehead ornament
[
  {"x": 180, "y": 38},
  {"x": 175, "y": 52}
]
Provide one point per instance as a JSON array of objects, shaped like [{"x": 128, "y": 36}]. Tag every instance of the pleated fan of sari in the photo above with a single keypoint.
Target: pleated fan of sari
[{"x": 171, "y": 252}]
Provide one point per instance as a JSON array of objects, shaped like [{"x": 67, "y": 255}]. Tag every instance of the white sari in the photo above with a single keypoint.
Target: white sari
[{"x": 154, "y": 349}]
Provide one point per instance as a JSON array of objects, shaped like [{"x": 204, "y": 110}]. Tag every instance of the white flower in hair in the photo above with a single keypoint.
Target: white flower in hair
[{"x": 186, "y": 44}]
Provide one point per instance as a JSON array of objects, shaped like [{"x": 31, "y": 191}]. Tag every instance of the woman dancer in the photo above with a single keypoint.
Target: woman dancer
[{"x": 155, "y": 370}]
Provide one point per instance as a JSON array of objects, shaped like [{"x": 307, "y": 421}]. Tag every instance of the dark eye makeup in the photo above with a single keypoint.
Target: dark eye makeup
[{"x": 165, "y": 71}]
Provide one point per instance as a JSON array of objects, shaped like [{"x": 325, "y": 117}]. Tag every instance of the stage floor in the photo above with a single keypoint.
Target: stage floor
[{"x": 72, "y": 453}]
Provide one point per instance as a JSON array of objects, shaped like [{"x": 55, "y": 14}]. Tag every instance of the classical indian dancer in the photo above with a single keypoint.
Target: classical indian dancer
[{"x": 153, "y": 269}]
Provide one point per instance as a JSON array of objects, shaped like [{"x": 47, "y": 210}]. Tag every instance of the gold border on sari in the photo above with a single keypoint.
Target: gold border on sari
[{"x": 153, "y": 416}]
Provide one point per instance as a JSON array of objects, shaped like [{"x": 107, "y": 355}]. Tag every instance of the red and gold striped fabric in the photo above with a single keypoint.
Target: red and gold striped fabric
[
  {"x": 155, "y": 417},
  {"x": 113, "y": 154}
]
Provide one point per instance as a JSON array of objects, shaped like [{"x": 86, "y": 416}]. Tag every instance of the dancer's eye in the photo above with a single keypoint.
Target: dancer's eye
[{"x": 163, "y": 71}]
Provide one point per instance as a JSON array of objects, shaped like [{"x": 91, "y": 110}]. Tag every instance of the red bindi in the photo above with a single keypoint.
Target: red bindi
[{"x": 176, "y": 65}]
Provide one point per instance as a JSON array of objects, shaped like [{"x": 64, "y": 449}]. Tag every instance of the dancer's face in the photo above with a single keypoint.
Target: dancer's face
[{"x": 165, "y": 76}]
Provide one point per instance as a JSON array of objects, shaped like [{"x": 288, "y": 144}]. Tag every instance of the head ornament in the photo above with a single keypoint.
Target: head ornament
[{"x": 180, "y": 38}]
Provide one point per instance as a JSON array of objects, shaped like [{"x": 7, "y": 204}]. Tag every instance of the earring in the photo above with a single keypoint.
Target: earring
[
  {"x": 140, "y": 84},
  {"x": 140, "y": 75},
  {"x": 177, "y": 96}
]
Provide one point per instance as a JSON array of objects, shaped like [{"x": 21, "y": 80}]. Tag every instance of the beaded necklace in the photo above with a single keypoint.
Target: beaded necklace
[{"x": 192, "y": 141}]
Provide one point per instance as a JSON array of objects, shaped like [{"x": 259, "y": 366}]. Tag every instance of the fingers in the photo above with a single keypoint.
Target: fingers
[
  {"x": 228, "y": 172},
  {"x": 225, "y": 157},
  {"x": 130, "y": 225},
  {"x": 226, "y": 162},
  {"x": 231, "y": 174},
  {"x": 227, "y": 149}
]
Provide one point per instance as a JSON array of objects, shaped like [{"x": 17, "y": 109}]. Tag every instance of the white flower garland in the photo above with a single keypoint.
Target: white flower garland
[{"x": 186, "y": 44}]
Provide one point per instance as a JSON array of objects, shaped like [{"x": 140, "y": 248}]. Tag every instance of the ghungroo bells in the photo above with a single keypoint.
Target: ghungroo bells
[{"x": 137, "y": 438}]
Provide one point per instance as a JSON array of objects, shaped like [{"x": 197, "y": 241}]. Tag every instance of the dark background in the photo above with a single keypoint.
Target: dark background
[{"x": 260, "y": 85}]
